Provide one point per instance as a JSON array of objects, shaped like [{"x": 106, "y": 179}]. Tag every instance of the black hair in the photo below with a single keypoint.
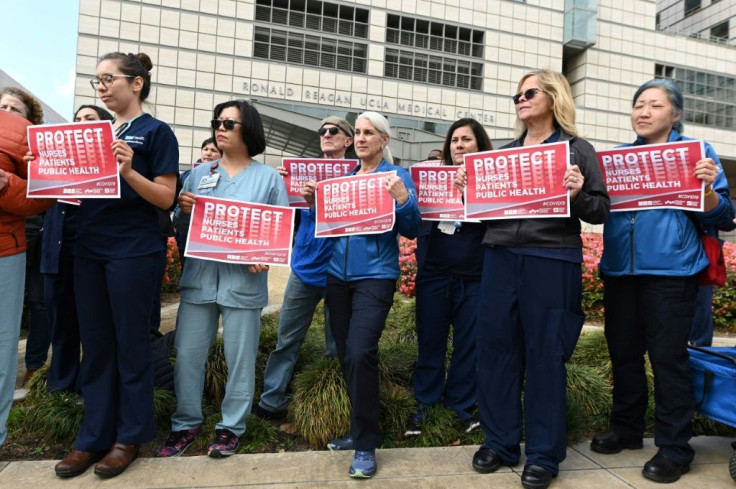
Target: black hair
[
  {"x": 101, "y": 113},
  {"x": 209, "y": 141},
  {"x": 134, "y": 65},
  {"x": 481, "y": 137},
  {"x": 251, "y": 127}
]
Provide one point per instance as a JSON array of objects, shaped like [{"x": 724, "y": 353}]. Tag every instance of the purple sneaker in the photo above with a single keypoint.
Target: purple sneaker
[
  {"x": 178, "y": 442},
  {"x": 225, "y": 444}
]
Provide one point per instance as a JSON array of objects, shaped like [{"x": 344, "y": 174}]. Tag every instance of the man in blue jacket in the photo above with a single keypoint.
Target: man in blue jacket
[{"x": 306, "y": 287}]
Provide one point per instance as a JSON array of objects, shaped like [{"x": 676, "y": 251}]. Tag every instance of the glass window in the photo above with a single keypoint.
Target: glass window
[
  {"x": 710, "y": 99},
  {"x": 691, "y": 6},
  {"x": 312, "y": 17},
  {"x": 719, "y": 32},
  {"x": 454, "y": 47}
]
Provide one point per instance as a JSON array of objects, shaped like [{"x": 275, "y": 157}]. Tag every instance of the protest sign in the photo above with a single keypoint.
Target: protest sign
[
  {"x": 437, "y": 196},
  {"x": 520, "y": 182},
  {"x": 232, "y": 231},
  {"x": 358, "y": 204},
  {"x": 73, "y": 160},
  {"x": 653, "y": 176},
  {"x": 302, "y": 170}
]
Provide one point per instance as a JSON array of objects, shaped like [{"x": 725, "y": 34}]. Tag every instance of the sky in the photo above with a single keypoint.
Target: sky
[{"x": 38, "y": 41}]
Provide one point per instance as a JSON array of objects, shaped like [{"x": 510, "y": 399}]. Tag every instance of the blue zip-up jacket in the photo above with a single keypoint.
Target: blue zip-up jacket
[
  {"x": 310, "y": 255},
  {"x": 376, "y": 256},
  {"x": 662, "y": 241}
]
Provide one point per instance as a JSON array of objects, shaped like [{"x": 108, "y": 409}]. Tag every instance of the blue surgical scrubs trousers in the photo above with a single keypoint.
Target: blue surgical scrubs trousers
[
  {"x": 114, "y": 300},
  {"x": 529, "y": 320}
]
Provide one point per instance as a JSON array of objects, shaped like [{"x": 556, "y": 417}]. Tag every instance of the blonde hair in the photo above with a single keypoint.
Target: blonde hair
[
  {"x": 557, "y": 89},
  {"x": 381, "y": 125}
]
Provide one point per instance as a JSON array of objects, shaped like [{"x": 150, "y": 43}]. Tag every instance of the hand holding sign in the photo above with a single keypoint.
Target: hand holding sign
[
  {"x": 258, "y": 268},
  {"x": 397, "y": 189},
  {"x": 186, "y": 202},
  {"x": 461, "y": 178},
  {"x": 308, "y": 192},
  {"x": 574, "y": 180},
  {"x": 124, "y": 156},
  {"x": 706, "y": 170}
]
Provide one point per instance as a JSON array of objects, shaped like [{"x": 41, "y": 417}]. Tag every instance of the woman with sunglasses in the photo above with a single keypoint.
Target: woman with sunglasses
[
  {"x": 530, "y": 314},
  {"x": 210, "y": 289},
  {"x": 117, "y": 248},
  {"x": 649, "y": 267},
  {"x": 361, "y": 280}
]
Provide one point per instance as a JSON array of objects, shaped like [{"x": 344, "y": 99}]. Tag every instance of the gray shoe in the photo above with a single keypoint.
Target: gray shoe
[{"x": 344, "y": 443}]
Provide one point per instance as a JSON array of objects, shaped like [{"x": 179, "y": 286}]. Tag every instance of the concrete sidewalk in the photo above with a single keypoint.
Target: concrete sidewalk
[{"x": 402, "y": 468}]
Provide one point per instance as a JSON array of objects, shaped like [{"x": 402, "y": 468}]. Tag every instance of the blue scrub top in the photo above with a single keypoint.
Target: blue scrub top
[{"x": 128, "y": 227}]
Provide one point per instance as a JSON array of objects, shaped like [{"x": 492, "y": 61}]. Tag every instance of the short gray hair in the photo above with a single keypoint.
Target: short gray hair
[
  {"x": 674, "y": 95},
  {"x": 381, "y": 125}
]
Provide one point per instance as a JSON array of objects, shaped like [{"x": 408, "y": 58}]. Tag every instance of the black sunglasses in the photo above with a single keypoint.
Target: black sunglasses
[
  {"x": 529, "y": 94},
  {"x": 229, "y": 125},
  {"x": 332, "y": 130}
]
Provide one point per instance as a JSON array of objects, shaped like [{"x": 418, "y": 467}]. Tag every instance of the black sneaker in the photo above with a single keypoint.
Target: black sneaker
[
  {"x": 414, "y": 426},
  {"x": 472, "y": 424}
]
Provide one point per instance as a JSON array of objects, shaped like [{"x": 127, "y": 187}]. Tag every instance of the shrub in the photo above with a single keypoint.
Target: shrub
[
  {"x": 320, "y": 407},
  {"x": 588, "y": 401}
]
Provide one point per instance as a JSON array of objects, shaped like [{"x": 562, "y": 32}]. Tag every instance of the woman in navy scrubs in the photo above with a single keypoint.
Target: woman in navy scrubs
[
  {"x": 57, "y": 267},
  {"x": 118, "y": 245}
]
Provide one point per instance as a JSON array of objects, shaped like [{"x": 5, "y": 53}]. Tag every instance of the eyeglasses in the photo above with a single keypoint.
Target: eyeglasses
[
  {"x": 529, "y": 94},
  {"x": 106, "y": 80},
  {"x": 332, "y": 130},
  {"x": 228, "y": 124}
]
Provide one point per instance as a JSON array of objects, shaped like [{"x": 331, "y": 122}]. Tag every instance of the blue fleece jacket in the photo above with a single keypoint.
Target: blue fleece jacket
[
  {"x": 376, "y": 256},
  {"x": 663, "y": 241}
]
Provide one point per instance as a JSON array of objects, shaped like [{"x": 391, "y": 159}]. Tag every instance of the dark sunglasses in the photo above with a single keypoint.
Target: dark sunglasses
[
  {"x": 229, "y": 125},
  {"x": 332, "y": 130},
  {"x": 529, "y": 94}
]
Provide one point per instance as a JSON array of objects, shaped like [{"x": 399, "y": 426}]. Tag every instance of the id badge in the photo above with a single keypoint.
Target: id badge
[
  {"x": 447, "y": 227},
  {"x": 208, "y": 181}
]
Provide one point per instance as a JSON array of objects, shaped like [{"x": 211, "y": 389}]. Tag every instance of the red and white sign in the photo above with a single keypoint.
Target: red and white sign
[
  {"x": 358, "y": 204},
  {"x": 437, "y": 196},
  {"x": 73, "y": 160},
  {"x": 303, "y": 170},
  {"x": 654, "y": 176},
  {"x": 232, "y": 231},
  {"x": 522, "y": 182}
]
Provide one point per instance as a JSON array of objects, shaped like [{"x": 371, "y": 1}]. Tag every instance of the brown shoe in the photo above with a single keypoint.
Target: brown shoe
[
  {"x": 116, "y": 460},
  {"x": 77, "y": 462}
]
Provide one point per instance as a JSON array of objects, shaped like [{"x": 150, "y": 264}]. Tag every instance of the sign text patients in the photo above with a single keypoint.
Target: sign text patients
[{"x": 229, "y": 222}]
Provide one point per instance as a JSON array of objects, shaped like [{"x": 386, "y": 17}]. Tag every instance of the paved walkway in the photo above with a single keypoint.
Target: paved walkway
[{"x": 401, "y": 468}]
